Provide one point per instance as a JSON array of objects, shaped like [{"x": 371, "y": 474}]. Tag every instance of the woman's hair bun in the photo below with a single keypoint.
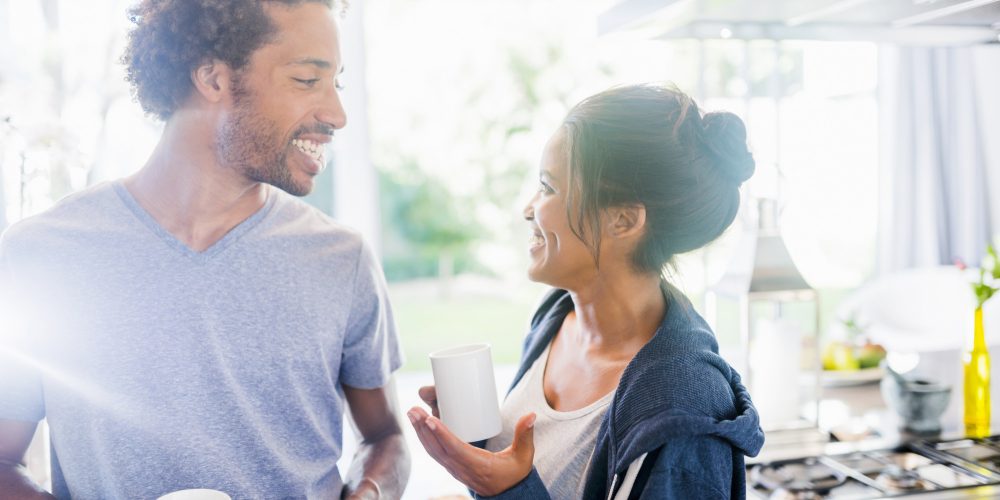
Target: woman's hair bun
[{"x": 725, "y": 139}]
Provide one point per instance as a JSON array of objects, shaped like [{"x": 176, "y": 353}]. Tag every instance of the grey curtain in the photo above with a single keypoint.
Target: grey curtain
[
  {"x": 4, "y": 61},
  {"x": 3, "y": 200},
  {"x": 940, "y": 177}
]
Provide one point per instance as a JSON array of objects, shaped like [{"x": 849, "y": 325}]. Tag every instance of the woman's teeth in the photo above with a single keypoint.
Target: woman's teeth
[
  {"x": 314, "y": 150},
  {"x": 536, "y": 240}
]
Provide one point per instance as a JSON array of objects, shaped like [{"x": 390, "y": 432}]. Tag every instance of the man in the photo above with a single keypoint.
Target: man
[{"x": 194, "y": 325}]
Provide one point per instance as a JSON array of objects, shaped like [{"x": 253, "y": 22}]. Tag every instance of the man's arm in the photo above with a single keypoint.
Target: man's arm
[
  {"x": 381, "y": 466},
  {"x": 15, "y": 436}
]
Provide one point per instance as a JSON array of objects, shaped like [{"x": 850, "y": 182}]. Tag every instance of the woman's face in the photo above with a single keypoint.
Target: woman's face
[{"x": 558, "y": 257}]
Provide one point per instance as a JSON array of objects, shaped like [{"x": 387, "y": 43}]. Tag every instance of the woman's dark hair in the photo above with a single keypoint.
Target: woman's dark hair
[
  {"x": 650, "y": 145},
  {"x": 172, "y": 37}
]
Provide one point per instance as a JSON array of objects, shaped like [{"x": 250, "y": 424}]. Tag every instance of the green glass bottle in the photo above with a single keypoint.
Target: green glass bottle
[{"x": 977, "y": 383}]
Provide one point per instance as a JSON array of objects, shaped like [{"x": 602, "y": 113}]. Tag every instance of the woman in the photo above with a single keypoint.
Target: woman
[{"x": 621, "y": 392}]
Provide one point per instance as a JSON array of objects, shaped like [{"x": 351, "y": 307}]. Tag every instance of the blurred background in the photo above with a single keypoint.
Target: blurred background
[{"x": 872, "y": 123}]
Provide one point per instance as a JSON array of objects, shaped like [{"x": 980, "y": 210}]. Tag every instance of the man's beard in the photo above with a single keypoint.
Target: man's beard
[{"x": 253, "y": 144}]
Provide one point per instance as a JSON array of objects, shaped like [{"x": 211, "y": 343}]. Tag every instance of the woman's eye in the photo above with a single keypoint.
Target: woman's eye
[
  {"x": 309, "y": 82},
  {"x": 544, "y": 188}
]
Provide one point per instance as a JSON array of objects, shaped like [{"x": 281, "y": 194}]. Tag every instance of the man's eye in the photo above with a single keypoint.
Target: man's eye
[
  {"x": 309, "y": 82},
  {"x": 337, "y": 85}
]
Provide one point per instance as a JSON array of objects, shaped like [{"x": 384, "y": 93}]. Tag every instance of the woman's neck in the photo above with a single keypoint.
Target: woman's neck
[{"x": 618, "y": 313}]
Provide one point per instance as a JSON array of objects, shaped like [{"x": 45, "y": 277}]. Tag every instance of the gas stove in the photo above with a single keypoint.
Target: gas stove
[{"x": 963, "y": 468}]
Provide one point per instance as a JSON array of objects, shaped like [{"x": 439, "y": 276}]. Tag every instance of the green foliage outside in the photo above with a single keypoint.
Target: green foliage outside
[
  {"x": 431, "y": 228},
  {"x": 428, "y": 323},
  {"x": 427, "y": 231}
]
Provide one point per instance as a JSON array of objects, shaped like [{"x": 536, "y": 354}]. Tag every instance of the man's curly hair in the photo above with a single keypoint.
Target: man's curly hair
[{"x": 172, "y": 37}]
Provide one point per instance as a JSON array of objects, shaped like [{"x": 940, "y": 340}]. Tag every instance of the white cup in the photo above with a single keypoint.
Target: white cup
[
  {"x": 195, "y": 494},
  {"x": 467, "y": 392}
]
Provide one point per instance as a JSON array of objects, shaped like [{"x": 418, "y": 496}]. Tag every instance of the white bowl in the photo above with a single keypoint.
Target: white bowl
[{"x": 196, "y": 494}]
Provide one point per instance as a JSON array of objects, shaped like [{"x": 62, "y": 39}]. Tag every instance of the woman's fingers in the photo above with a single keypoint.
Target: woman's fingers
[
  {"x": 418, "y": 418},
  {"x": 428, "y": 394},
  {"x": 523, "y": 446},
  {"x": 449, "y": 441},
  {"x": 465, "y": 461},
  {"x": 428, "y": 429},
  {"x": 416, "y": 414}
]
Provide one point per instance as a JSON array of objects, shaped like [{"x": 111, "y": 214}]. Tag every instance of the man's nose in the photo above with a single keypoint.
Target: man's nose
[{"x": 331, "y": 110}]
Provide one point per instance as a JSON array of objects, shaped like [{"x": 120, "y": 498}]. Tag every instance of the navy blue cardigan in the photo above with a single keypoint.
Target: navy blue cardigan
[{"x": 677, "y": 400}]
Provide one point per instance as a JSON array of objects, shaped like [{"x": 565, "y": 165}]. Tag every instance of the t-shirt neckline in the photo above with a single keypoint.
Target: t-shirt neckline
[
  {"x": 167, "y": 237},
  {"x": 537, "y": 384}
]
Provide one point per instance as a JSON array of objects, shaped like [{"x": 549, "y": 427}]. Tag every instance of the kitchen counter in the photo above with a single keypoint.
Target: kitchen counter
[{"x": 861, "y": 406}]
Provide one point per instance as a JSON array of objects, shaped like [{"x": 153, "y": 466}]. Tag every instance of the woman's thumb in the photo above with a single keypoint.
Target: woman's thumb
[{"x": 524, "y": 438}]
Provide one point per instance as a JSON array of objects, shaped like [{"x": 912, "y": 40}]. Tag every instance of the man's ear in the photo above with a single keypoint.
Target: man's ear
[
  {"x": 212, "y": 80},
  {"x": 626, "y": 220}
]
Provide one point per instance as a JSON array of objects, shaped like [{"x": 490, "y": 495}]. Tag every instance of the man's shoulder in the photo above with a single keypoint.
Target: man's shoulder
[
  {"x": 292, "y": 208},
  {"x": 81, "y": 210},
  {"x": 307, "y": 224}
]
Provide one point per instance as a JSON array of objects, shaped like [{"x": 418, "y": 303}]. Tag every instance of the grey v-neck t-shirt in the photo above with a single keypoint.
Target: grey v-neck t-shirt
[{"x": 159, "y": 368}]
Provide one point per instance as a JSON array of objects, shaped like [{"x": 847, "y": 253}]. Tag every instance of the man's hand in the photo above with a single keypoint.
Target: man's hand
[
  {"x": 381, "y": 465},
  {"x": 367, "y": 489},
  {"x": 484, "y": 472},
  {"x": 15, "y": 436}
]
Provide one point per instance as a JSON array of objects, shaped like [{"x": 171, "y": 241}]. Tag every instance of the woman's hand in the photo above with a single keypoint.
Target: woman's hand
[{"x": 484, "y": 472}]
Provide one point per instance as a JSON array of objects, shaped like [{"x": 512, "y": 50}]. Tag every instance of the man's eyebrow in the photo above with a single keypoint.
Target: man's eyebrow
[{"x": 319, "y": 63}]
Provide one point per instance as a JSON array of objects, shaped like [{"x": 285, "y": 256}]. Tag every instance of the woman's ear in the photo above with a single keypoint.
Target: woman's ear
[
  {"x": 212, "y": 80},
  {"x": 626, "y": 221}
]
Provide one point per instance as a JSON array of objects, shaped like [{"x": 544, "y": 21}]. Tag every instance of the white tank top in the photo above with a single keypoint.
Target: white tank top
[{"x": 564, "y": 440}]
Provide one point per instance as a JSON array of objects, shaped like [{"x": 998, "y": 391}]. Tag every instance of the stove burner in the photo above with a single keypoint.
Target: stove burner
[
  {"x": 910, "y": 469},
  {"x": 805, "y": 480},
  {"x": 782, "y": 494},
  {"x": 896, "y": 478}
]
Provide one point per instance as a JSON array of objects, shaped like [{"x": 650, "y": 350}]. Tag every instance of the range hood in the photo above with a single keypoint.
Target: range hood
[{"x": 905, "y": 22}]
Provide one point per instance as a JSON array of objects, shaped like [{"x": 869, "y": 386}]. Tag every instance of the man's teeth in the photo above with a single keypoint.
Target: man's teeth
[{"x": 313, "y": 149}]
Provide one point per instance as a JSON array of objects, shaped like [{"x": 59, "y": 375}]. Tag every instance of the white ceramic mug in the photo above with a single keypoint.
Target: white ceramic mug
[
  {"x": 195, "y": 494},
  {"x": 467, "y": 391}
]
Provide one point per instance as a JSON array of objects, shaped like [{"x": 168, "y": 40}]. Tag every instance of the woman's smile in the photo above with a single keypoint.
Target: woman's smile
[{"x": 536, "y": 241}]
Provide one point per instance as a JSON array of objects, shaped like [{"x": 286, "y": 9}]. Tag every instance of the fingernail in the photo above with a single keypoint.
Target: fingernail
[
  {"x": 412, "y": 417},
  {"x": 430, "y": 423}
]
